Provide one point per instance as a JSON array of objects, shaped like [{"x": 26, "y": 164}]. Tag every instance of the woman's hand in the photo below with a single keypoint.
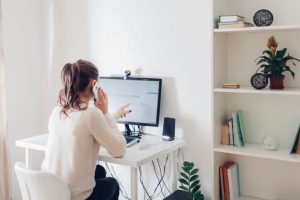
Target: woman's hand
[
  {"x": 123, "y": 111},
  {"x": 102, "y": 102}
]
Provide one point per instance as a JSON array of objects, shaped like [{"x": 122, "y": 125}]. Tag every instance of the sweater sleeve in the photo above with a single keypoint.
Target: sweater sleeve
[{"x": 105, "y": 131}]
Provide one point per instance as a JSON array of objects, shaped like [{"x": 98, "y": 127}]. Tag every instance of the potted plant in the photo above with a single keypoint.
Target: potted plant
[
  {"x": 190, "y": 180},
  {"x": 274, "y": 62}
]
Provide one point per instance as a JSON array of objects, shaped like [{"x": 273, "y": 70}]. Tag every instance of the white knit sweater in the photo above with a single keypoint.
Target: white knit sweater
[{"x": 73, "y": 146}]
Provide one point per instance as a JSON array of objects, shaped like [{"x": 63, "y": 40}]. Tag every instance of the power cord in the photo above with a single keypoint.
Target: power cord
[
  {"x": 154, "y": 195},
  {"x": 141, "y": 181},
  {"x": 154, "y": 168},
  {"x": 120, "y": 183},
  {"x": 178, "y": 167},
  {"x": 161, "y": 176}
]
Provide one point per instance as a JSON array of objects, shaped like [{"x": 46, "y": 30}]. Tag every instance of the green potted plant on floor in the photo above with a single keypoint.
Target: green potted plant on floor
[
  {"x": 189, "y": 180},
  {"x": 274, "y": 62}
]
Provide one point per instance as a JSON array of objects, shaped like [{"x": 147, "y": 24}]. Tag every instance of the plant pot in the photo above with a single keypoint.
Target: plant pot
[{"x": 276, "y": 83}]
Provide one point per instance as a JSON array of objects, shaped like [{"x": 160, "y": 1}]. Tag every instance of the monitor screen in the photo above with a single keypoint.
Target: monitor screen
[{"x": 143, "y": 95}]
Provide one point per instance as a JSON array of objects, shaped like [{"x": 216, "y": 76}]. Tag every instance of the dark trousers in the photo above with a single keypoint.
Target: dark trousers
[{"x": 107, "y": 188}]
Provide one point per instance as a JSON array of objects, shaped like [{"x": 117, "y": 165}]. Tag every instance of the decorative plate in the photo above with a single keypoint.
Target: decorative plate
[
  {"x": 263, "y": 17},
  {"x": 259, "y": 81}
]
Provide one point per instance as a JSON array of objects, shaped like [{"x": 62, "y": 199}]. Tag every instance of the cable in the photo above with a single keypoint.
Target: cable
[
  {"x": 161, "y": 175},
  {"x": 121, "y": 185},
  {"x": 178, "y": 167},
  {"x": 154, "y": 168},
  {"x": 141, "y": 181}
]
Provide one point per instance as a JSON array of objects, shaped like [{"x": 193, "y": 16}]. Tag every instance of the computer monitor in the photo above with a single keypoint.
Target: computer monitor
[{"x": 143, "y": 95}]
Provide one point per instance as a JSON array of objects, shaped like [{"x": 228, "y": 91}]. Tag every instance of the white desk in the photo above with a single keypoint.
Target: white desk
[{"x": 133, "y": 158}]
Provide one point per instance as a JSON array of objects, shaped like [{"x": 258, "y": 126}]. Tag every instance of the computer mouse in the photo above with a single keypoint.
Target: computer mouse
[{"x": 144, "y": 146}]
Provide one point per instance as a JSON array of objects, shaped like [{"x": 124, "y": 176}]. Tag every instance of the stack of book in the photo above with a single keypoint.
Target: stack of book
[
  {"x": 296, "y": 144},
  {"x": 229, "y": 181},
  {"x": 231, "y": 85},
  {"x": 232, "y": 131},
  {"x": 232, "y": 21}
]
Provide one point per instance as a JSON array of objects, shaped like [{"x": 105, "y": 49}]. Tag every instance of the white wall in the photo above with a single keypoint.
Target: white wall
[
  {"x": 25, "y": 44},
  {"x": 170, "y": 39}
]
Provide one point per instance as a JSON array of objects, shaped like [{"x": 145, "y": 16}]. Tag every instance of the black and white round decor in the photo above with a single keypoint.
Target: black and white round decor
[
  {"x": 259, "y": 81},
  {"x": 263, "y": 17}
]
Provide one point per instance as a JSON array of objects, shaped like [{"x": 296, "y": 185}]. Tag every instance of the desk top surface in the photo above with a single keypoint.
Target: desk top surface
[{"x": 134, "y": 157}]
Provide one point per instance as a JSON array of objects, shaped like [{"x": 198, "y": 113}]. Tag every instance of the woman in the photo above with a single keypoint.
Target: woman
[{"x": 76, "y": 133}]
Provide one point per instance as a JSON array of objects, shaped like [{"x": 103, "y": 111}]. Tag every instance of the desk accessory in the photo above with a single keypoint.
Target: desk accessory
[
  {"x": 270, "y": 143},
  {"x": 259, "y": 81},
  {"x": 169, "y": 129},
  {"x": 263, "y": 17}
]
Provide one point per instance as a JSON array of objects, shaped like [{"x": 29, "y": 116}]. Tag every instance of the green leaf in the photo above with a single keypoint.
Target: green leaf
[
  {"x": 195, "y": 183},
  {"x": 290, "y": 58},
  {"x": 268, "y": 52},
  {"x": 281, "y": 53},
  {"x": 195, "y": 189},
  {"x": 183, "y": 181},
  {"x": 184, "y": 175},
  {"x": 188, "y": 165},
  {"x": 193, "y": 178},
  {"x": 198, "y": 196},
  {"x": 194, "y": 171},
  {"x": 184, "y": 188},
  {"x": 262, "y": 61},
  {"x": 186, "y": 170}
]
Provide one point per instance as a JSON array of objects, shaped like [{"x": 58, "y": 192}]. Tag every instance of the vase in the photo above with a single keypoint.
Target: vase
[{"x": 276, "y": 83}]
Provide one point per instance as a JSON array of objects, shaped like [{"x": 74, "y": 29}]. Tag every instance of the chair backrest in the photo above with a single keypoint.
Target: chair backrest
[{"x": 37, "y": 185}]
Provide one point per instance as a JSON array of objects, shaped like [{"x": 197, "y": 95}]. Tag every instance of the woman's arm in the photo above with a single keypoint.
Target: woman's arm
[{"x": 105, "y": 131}]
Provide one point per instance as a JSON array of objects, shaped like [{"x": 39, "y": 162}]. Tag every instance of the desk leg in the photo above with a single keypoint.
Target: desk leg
[
  {"x": 134, "y": 187},
  {"x": 27, "y": 158},
  {"x": 174, "y": 170}
]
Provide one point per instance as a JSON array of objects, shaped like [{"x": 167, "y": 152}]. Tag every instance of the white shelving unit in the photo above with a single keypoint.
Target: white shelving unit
[
  {"x": 257, "y": 151},
  {"x": 284, "y": 28},
  {"x": 264, "y": 175},
  {"x": 267, "y": 91}
]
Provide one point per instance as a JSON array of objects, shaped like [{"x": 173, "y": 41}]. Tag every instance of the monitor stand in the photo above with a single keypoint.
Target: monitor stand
[
  {"x": 131, "y": 133},
  {"x": 128, "y": 131}
]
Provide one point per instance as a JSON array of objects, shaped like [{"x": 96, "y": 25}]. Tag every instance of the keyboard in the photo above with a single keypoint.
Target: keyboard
[{"x": 131, "y": 140}]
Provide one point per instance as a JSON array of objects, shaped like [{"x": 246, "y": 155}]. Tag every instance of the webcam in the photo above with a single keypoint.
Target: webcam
[{"x": 127, "y": 74}]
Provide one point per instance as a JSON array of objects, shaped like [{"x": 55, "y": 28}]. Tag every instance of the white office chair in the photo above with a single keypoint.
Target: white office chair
[{"x": 37, "y": 185}]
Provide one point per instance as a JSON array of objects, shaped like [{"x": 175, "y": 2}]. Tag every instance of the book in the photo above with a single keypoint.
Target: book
[
  {"x": 231, "y": 135},
  {"x": 295, "y": 143},
  {"x": 230, "y": 18},
  {"x": 298, "y": 146},
  {"x": 233, "y": 180},
  {"x": 238, "y": 139},
  {"x": 225, "y": 134},
  {"x": 225, "y": 166},
  {"x": 221, "y": 182},
  {"x": 234, "y": 25},
  {"x": 241, "y": 125},
  {"x": 230, "y": 85}
]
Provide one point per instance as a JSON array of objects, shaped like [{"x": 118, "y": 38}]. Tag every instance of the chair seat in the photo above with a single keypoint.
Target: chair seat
[{"x": 180, "y": 195}]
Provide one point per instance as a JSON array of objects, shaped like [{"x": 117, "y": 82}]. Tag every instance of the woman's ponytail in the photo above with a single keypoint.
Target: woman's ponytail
[{"x": 75, "y": 78}]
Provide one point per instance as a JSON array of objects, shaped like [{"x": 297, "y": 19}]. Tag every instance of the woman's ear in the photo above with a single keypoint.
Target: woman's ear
[{"x": 91, "y": 84}]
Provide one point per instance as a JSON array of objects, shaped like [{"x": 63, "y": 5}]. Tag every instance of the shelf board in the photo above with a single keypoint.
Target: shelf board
[
  {"x": 259, "y": 29},
  {"x": 248, "y": 198},
  {"x": 251, "y": 90},
  {"x": 257, "y": 151}
]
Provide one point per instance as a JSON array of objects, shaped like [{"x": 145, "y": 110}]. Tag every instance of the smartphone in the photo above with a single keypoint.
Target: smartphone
[{"x": 96, "y": 89}]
